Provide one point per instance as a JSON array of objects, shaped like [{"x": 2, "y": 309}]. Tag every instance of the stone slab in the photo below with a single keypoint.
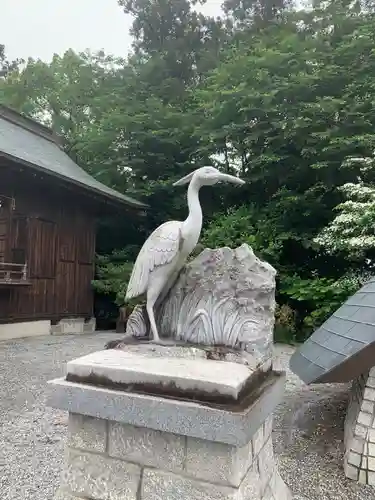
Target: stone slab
[
  {"x": 12, "y": 331},
  {"x": 146, "y": 447},
  {"x": 186, "y": 418},
  {"x": 98, "y": 477},
  {"x": 200, "y": 376},
  {"x": 64, "y": 495},
  {"x": 87, "y": 433},
  {"x": 157, "y": 485}
]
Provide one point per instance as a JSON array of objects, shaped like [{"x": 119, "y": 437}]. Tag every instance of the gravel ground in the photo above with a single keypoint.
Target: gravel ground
[{"x": 308, "y": 428}]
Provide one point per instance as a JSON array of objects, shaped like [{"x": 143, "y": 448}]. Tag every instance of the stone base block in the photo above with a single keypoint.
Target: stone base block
[
  {"x": 125, "y": 445},
  {"x": 359, "y": 436},
  {"x": 11, "y": 331},
  {"x": 73, "y": 326},
  {"x": 122, "y": 462}
]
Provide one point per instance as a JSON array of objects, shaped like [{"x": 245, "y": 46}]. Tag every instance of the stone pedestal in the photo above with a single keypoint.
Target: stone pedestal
[
  {"x": 127, "y": 443},
  {"x": 359, "y": 460},
  {"x": 73, "y": 326}
]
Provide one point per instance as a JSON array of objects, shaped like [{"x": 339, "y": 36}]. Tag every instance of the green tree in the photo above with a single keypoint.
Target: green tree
[{"x": 7, "y": 66}]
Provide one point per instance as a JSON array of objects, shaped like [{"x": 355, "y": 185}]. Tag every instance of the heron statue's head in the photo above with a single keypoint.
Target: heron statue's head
[{"x": 208, "y": 176}]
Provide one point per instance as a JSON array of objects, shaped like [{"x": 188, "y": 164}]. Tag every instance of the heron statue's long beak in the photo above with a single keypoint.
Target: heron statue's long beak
[{"x": 231, "y": 178}]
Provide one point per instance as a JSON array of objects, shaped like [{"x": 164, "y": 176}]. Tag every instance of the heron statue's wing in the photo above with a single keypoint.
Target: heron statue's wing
[{"x": 160, "y": 248}]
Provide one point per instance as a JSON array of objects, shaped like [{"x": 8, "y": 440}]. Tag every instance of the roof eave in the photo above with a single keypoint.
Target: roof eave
[{"x": 128, "y": 201}]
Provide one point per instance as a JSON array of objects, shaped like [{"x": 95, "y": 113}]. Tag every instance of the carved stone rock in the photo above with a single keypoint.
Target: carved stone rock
[{"x": 223, "y": 297}]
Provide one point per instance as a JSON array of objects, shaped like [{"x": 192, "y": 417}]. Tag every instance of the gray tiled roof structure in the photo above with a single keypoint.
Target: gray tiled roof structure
[
  {"x": 344, "y": 346},
  {"x": 26, "y": 141}
]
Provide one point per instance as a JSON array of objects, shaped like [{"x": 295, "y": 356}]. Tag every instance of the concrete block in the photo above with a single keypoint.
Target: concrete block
[
  {"x": 157, "y": 485},
  {"x": 371, "y": 382},
  {"x": 251, "y": 485},
  {"x": 258, "y": 441},
  {"x": 371, "y": 449},
  {"x": 217, "y": 462},
  {"x": 357, "y": 444},
  {"x": 10, "y": 331},
  {"x": 267, "y": 428},
  {"x": 369, "y": 394},
  {"x": 268, "y": 495},
  {"x": 371, "y": 478},
  {"x": 371, "y": 463},
  {"x": 266, "y": 462},
  {"x": 362, "y": 477},
  {"x": 100, "y": 478},
  {"x": 367, "y": 407},
  {"x": 185, "y": 418},
  {"x": 361, "y": 431},
  {"x": 350, "y": 471},
  {"x": 279, "y": 488},
  {"x": 365, "y": 419},
  {"x": 87, "y": 433},
  {"x": 69, "y": 326},
  {"x": 354, "y": 459},
  {"x": 199, "y": 376},
  {"x": 371, "y": 435},
  {"x": 64, "y": 495},
  {"x": 89, "y": 326},
  {"x": 146, "y": 447}
]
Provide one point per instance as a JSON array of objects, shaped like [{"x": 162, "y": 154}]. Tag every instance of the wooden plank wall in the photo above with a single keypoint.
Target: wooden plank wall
[{"x": 56, "y": 236}]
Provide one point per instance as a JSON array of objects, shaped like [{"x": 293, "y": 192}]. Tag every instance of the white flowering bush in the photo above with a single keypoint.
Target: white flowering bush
[{"x": 353, "y": 229}]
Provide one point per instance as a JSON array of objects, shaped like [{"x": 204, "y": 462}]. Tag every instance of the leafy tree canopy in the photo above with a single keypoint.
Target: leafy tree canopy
[{"x": 283, "y": 97}]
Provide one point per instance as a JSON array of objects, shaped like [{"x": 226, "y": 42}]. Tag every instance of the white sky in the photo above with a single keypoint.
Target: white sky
[{"x": 40, "y": 28}]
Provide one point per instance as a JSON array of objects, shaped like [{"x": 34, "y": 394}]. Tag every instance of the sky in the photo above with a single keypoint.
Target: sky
[{"x": 40, "y": 28}]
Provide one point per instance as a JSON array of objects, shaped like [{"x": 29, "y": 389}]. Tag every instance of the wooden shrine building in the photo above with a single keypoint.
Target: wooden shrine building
[{"x": 48, "y": 210}]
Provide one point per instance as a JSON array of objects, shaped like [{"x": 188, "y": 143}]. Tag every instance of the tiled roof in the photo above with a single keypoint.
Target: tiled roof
[
  {"x": 343, "y": 347},
  {"x": 26, "y": 141}
]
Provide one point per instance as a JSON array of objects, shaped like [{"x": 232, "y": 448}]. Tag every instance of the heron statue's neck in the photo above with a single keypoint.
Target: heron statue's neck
[{"x": 194, "y": 219}]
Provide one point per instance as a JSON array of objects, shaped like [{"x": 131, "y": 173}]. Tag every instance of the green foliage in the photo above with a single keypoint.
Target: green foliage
[
  {"x": 352, "y": 230},
  {"x": 112, "y": 275},
  {"x": 285, "y": 324},
  {"x": 6, "y": 66},
  {"x": 319, "y": 297},
  {"x": 240, "y": 225}
]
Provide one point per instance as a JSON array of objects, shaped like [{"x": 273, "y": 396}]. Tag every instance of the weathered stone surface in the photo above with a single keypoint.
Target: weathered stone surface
[
  {"x": 99, "y": 477},
  {"x": 146, "y": 447},
  {"x": 178, "y": 349},
  {"x": 258, "y": 440},
  {"x": 279, "y": 488},
  {"x": 157, "y": 485},
  {"x": 223, "y": 297},
  {"x": 216, "y": 462},
  {"x": 200, "y": 376},
  {"x": 177, "y": 417},
  {"x": 266, "y": 462},
  {"x": 73, "y": 326},
  {"x": 268, "y": 427},
  {"x": 63, "y": 495},
  {"x": 251, "y": 486},
  {"x": 87, "y": 433}
]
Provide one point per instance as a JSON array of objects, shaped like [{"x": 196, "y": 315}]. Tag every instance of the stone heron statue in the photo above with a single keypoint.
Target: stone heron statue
[{"x": 165, "y": 251}]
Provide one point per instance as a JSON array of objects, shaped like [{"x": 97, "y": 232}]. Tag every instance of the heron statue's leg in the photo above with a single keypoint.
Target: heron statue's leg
[
  {"x": 151, "y": 317},
  {"x": 156, "y": 293},
  {"x": 152, "y": 296}
]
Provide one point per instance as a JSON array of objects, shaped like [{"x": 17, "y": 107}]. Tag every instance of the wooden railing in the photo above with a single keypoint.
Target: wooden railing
[{"x": 13, "y": 274}]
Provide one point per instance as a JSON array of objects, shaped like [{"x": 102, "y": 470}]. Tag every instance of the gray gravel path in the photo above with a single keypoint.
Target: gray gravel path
[{"x": 308, "y": 427}]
